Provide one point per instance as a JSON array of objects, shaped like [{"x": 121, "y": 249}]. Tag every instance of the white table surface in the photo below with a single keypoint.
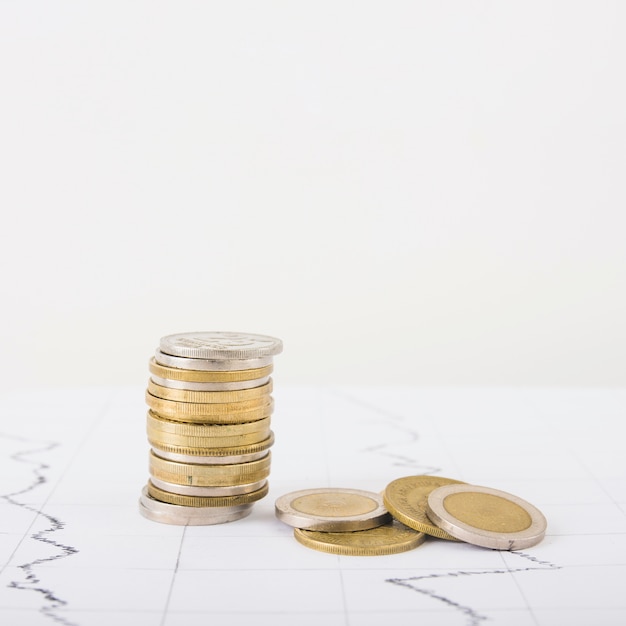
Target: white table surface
[{"x": 74, "y": 549}]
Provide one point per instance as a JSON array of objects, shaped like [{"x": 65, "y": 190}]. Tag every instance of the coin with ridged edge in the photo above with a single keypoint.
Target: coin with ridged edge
[
  {"x": 201, "y": 475},
  {"x": 390, "y": 538},
  {"x": 217, "y": 345},
  {"x": 198, "y": 501},
  {"x": 486, "y": 517},
  {"x": 195, "y": 376},
  {"x": 332, "y": 509},
  {"x": 218, "y": 413},
  {"x": 406, "y": 497},
  {"x": 165, "y": 513},
  {"x": 211, "y": 365},
  {"x": 209, "y": 397},
  {"x": 183, "y": 385}
]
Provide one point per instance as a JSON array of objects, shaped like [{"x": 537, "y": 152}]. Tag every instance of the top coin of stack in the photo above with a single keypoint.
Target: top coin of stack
[{"x": 209, "y": 426}]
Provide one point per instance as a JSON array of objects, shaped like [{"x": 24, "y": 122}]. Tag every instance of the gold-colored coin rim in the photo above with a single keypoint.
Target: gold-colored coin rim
[
  {"x": 463, "y": 531},
  {"x": 209, "y": 397},
  {"x": 226, "y": 413},
  {"x": 350, "y": 543},
  {"x": 206, "y": 501},
  {"x": 188, "y": 470},
  {"x": 159, "y": 425},
  {"x": 408, "y": 513},
  {"x": 217, "y": 451},
  {"x": 200, "y": 376}
]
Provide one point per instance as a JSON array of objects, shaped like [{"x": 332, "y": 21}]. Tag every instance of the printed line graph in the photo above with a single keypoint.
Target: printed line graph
[{"x": 75, "y": 551}]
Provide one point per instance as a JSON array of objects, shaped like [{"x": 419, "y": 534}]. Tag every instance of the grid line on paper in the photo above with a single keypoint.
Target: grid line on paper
[{"x": 176, "y": 566}]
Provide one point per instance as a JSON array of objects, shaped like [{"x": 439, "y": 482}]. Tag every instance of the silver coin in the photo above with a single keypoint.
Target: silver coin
[
  {"x": 190, "y": 386},
  {"x": 332, "y": 509},
  {"x": 210, "y": 460},
  {"x": 486, "y": 517},
  {"x": 210, "y": 365},
  {"x": 189, "y": 516},
  {"x": 220, "y": 345},
  {"x": 189, "y": 490}
]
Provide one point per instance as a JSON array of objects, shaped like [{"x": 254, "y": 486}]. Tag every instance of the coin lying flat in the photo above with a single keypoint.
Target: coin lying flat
[
  {"x": 191, "y": 386},
  {"x": 332, "y": 509},
  {"x": 189, "y": 516},
  {"x": 390, "y": 538},
  {"x": 220, "y": 345},
  {"x": 210, "y": 365},
  {"x": 217, "y": 413},
  {"x": 186, "y": 490},
  {"x": 486, "y": 517},
  {"x": 406, "y": 498},
  {"x": 208, "y": 376},
  {"x": 163, "y": 496},
  {"x": 203, "y": 475},
  {"x": 209, "y": 397}
]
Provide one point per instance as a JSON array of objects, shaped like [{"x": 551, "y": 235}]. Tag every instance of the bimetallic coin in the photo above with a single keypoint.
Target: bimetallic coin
[
  {"x": 210, "y": 365},
  {"x": 406, "y": 497},
  {"x": 157, "y": 511},
  {"x": 195, "y": 376},
  {"x": 332, "y": 509},
  {"x": 218, "y": 413},
  {"x": 183, "y": 384},
  {"x": 209, "y": 397},
  {"x": 486, "y": 517},
  {"x": 220, "y": 345},
  {"x": 157, "y": 424},
  {"x": 174, "y": 440},
  {"x": 391, "y": 538},
  {"x": 202, "y": 502},
  {"x": 208, "y": 460},
  {"x": 186, "y": 490},
  {"x": 201, "y": 475}
]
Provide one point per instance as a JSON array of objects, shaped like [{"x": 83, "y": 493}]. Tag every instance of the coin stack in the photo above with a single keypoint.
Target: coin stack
[{"x": 208, "y": 424}]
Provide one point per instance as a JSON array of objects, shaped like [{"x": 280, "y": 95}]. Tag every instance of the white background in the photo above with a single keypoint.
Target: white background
[{"x": 427, "y": 193}]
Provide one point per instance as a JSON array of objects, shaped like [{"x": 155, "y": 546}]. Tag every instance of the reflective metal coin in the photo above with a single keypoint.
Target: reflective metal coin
[
  {"x": 165, "y": 513},
  {"x": 391, "y": 538},
  {"x": 332, "y": 509},
  {"x": 405, "y": 498},
  {"x": 210, "y": 365},
  {"x": 220, "y": 345},
  {"x": 486, "y": 517}
]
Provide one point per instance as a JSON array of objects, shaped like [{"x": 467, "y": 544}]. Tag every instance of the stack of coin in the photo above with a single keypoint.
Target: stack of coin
[{"x": 208, "y": 424}]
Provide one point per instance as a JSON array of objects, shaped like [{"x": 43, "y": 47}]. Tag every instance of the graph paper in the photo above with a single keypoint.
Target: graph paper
[{"x": 75, "y": 551}]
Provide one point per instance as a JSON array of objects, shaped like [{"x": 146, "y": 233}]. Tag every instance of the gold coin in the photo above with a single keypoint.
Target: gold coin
[
  {"x": 209, "y": 397},
  {"x": 486, "y": 517},
  {"x": 219, "y": 413},
  {"x": 391, "y": 538},
  {"x": 200, "y": 475},
  {"x": 406, "y": 498},
  {"x": 197, "y": 376},
  {"x": 199, "y": 501},
  {"x": 226, "y": 451},
  {"x": 163, "y": 425},
  {"x": 332, "y": 509},
  {"x": 179, "y": 434}
]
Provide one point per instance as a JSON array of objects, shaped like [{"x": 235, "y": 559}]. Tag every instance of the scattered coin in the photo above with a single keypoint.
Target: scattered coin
[
  {"x": 486, "y": 517},
  {"x": 332, "y": 509},
  {"x": 406, "y": 497},
  {"x": 390, "y": 538}
]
